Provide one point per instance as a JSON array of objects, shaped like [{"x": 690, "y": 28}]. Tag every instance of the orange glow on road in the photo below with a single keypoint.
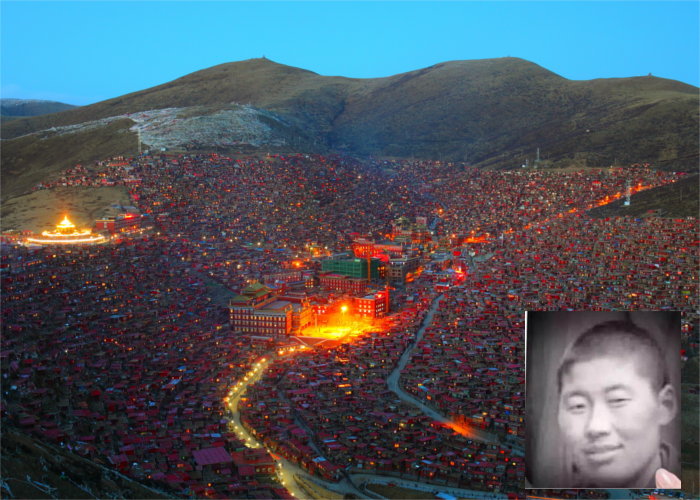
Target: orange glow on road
[
  {"x": 616, "y": 196},
  {"x": 604, "y": 201},
  {"x": 344, "y": 327}
]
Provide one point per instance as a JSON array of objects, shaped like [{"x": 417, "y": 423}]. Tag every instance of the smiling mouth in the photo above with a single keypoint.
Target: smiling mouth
[{"x": 602, "y": 455}]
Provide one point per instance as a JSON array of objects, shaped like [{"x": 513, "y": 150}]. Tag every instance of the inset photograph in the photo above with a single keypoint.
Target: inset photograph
[{"x": 602, "y": 398}]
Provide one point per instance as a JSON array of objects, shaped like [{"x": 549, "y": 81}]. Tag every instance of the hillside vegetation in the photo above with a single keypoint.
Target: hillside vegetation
[
  {"x": 28, "y": 160},
  {"x": 492, "y": 113}
]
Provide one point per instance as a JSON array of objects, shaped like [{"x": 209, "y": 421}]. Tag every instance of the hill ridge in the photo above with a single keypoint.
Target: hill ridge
[{"x": 491, "y": 113}]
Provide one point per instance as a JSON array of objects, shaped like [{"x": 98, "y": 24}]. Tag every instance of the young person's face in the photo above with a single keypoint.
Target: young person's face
[{"x": 610, "y": 416}]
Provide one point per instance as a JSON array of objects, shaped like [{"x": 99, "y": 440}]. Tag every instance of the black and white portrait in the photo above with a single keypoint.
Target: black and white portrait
[{"x": 602, "y": 398}]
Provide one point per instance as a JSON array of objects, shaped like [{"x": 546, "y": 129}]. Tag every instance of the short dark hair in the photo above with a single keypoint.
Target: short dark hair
[{"x": 621, "y": 338}]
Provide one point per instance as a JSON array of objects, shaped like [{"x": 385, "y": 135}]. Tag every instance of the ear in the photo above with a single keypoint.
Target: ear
[{"x": 666, "y": 401}]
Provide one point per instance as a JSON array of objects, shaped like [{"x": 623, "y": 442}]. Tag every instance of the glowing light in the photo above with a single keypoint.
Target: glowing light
[
  {"x": 82, "y": 240},
  {"x": 66, "y": 224},
  {"x": 66, "y": 234}
]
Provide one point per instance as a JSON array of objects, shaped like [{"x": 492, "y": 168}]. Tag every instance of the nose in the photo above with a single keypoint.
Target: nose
[{"x": 599, "y": 422}]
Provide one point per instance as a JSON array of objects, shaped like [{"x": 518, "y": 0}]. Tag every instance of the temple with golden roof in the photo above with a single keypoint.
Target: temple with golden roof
[{"x": 67, "y": 234}]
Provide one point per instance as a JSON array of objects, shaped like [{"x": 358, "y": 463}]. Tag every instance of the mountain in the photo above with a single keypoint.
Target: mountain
[
  {"x": 11, "y": 109},
  {"x": 492, "y": 113}
]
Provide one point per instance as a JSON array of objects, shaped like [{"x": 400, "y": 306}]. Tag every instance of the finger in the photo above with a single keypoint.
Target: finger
[{"x": 667, "y": 480}]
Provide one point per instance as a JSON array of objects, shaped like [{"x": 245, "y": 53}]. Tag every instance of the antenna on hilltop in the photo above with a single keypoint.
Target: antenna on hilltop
[{"x": 628, "y": 192}]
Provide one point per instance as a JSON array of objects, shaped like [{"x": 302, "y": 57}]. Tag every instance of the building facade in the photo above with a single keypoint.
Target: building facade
[
  {"x": 339, "y": 283},
  {"x": 291, "y": 276},
  {"x": 399, "y": 269},
  {"x": 121, "y": 223},
  {"x": 374, "y": 305},
  {"x": 355, "y": 268},
  {"x": 257, "y": 311},
  {"x": 302, "y": 312}
]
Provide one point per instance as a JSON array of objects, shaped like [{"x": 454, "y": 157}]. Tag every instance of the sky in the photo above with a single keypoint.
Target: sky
[{"x": 85, "y": 52}]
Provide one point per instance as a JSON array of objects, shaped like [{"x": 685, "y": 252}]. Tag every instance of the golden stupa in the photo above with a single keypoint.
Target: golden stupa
[{"x": 67, "y": 234}]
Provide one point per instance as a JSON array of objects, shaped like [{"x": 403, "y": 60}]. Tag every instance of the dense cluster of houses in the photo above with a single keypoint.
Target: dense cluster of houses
[
  {"x": 470, "y": 367},
  {"x": 552, "y": 255},
  {"x": 334, "y": 403},
  {"x": 119, "y": 356},
  {"x": 115, "y": 171},
  {"x": 493, "y": 203},
  {"x": 125, "y": 352}
]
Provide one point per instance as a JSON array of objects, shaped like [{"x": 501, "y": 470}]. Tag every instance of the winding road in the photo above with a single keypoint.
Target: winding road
[
  {"x": 287, "y": 469},
  {"x": 393, "y": 383}
]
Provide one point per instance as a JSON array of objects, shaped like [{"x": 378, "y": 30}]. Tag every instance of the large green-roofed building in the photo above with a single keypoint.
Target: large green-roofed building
[{"x": 354, "y": 268}]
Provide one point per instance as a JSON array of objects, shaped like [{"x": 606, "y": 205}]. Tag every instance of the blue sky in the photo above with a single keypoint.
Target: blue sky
[{"x": 84, "y": 52}]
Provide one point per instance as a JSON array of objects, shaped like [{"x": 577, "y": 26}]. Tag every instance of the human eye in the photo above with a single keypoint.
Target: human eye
[
  {"x": 576, "y": 405},
  {"x": 618, "y": 399},
  {"x": 618, "y": 402}
]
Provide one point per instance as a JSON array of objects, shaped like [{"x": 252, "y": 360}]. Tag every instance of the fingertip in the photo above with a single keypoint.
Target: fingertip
[{"x": 667, "y": 480}]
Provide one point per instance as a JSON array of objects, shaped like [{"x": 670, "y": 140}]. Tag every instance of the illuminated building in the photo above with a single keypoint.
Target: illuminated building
[
  {"x": 292, "y": 276},
  {"x": 339, "y": 283},
  {"x": 375, "y": 305},
  {"x": 361, "y": 246},
  {"x": 258, "y": 311},
  {"x": 67, "y": 234},
  {"x": 354, "y": 268},
  {"x": 121, "y": 223},
  {"x": 302, "y": 312}
]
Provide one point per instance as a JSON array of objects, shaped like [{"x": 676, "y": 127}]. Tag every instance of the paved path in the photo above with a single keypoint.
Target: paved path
[
  {"x": 286, "y": 468},
  {"x": 393, "y": 383}
]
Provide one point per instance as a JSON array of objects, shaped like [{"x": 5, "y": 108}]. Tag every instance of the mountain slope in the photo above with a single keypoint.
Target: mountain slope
[
  {"x": 18, "y": 108},
  {"x": 26, "y": 161},
  {"x": 492, "y": 113},
  {"x": 260, "y": 82}
]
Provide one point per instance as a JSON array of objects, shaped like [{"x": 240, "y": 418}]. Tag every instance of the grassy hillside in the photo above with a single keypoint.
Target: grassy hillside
[
  {"x": 492, "y": 113},
  {"x": 495, "y": 113},
  {"x": 260, "y": 82},
  {"x": 28, "y": 160}
]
